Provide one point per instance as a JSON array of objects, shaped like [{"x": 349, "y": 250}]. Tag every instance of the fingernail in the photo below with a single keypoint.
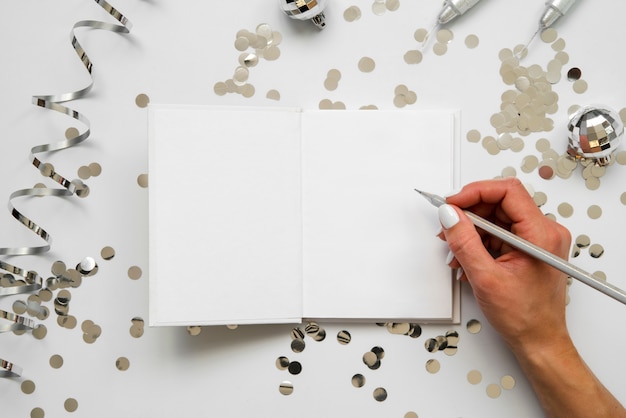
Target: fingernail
[
  {"x": 439, "y": 231},
  {"x": 449, "y": 257},
  {"x": 459, "y": 273},
  {"x": 452, "y": 193},
  {"x": 448, "y": 216}
]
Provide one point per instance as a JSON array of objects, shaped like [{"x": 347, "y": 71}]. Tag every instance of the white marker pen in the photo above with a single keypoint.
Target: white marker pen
[
  {"x": 453, "y": 9},
  {"x": 554, "y": 10}
]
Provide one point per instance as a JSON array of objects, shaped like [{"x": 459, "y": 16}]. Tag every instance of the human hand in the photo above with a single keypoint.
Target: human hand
[{"x": 523, "y": 298}]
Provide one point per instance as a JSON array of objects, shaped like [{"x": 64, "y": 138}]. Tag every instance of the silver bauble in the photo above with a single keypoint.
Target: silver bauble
[{"x": 595, "y": 132}]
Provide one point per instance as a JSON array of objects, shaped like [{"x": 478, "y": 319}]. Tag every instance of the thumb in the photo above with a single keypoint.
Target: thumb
[{"x": 465, "y": 242}]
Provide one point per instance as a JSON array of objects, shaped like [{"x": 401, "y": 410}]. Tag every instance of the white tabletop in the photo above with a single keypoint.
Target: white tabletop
[{"x": 176, "y": 52}]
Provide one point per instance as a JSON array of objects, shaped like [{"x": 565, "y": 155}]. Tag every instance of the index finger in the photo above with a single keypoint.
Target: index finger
[{"x": 509, "y": 193}]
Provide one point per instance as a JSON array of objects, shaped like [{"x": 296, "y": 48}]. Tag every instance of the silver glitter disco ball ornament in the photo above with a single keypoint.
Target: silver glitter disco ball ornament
[
  {"x": 595, "y": 132},
  {"x": 312, "y": 10}
]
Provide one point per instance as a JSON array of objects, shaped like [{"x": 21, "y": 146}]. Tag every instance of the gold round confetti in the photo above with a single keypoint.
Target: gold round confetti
[
  {"x": 142, "y": 100},
  {"x": 220, "y": 88},
  {"x": 493, "y": 391},
  {"x": 247, "y": 91},
  {"x": 507, "y": 382},
  {"x": 474, "y": 377},
  {"x": 600, "y": 275},
  {"x": 580, "y": 86},
  {"x": 433, "y": 366},
  {"x": 71, "y": 133},
  {"x": 37, "y": 413},
  {"x": 28, "y": 387},
  {"x": 398, "y": 328},
  {"x": 583, "y": 241},
  {"x": 420, "y": 35},
  {"x": 331, "y": 84},
  {"x": 594, "y": 211},
  {"x": 508, "y": 172},
  {"x": 392, "y": 5},
  {"x": 366, "y": 64},
  {"x": 596, "y": 250},
  {"x": 242, "y": 43},
  {"x": 107, "y": 253},
  {"x": 562, "y": 57},
  {"x": 474, "y": 326},
  {"x": 444, "y": 36},
  {"x": 95, "y": 169},
  {"x": 273, "y": 95},
  {"x": 371, "y": 360},
  {"x": 540, "y": 198},
  {"x": 122, "y": 364},
  {"x": 84, "y": 172},
  {"x": 542, "y": 145},
  {"x": 440, "y": 48},
  {"x": 620, "y": 157},
  {"x": 352, "y": 13},
  {"x": 358, "y": 380},
  {"x": 142, "y": 180},
  {"x": 622, "y": 198},
  {"x": 410, "y": 414},
  {"x": 285, "y": 388},
  {"x": 566, "y": 210},
  {"x": 592, "y": 183},
  {"x": 379, "y": 8},
  {"x": 344, "y": 337},
  {"x": 71, "y": 405},
  {"x": 134, "y": 272},
  {"x": 19, "y": 307},
  {"x": 137, "y": 327},
  {"x": 473, "y": 136},
  {"x": 282, "y": 363},
  {"x": 272, "y": 53},
  {"x": 380, "y": 394},
  {"x": 194, "y": 330},
  {"x": 56, "y": 361},
  {"x": 40, "y": 332},
  {"x": 549, "y": 35},
  {"x": 86, "y": 325},
  {"x": 529, "y": 163},
  {"x": 558, "y": 45},
  {"x": 471, "y": 41},
  {"x": 413, "y": 56}
]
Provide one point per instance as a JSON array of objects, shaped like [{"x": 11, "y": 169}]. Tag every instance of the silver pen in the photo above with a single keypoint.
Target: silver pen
[
  {"x": 535, "y": 251},
  {"x": 450, "y": 10},
  {"x": 454, "y": 8},
  {"x": 555, "y": 9}
]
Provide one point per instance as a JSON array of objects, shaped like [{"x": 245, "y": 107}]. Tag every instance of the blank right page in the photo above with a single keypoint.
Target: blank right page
[{"x": 369, "y": 245}]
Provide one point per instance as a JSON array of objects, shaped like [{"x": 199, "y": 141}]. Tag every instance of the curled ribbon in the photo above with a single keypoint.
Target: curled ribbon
[{"x": 30, "y": 280}]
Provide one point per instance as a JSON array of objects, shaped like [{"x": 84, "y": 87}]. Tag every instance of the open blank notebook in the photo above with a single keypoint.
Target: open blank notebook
[{"x": 265, "y": 215}]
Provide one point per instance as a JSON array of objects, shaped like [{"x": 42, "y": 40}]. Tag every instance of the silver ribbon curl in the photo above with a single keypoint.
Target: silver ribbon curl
[
  {"x": 31, "y": 280},
  {"x": 8, "y": 369}
]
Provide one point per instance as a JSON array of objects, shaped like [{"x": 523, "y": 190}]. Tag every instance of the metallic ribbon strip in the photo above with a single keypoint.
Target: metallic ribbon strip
[
  {"x": 14, "y": 322},
  {"x": 8, "y": 369},
  {"x": 32, "y": 280}
]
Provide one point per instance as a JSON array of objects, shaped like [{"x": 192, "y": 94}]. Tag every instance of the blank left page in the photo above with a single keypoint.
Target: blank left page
[{"x": 225, "y": 216}]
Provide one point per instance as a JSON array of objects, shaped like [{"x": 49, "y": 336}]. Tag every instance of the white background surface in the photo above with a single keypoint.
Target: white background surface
[{"x": 175, "y": 53}]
